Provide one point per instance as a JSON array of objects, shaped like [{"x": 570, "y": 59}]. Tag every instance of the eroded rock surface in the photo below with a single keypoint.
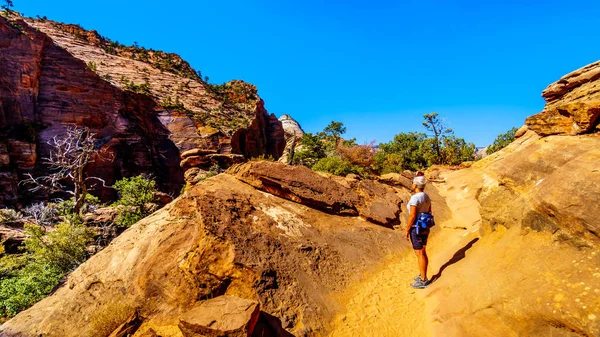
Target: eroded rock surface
[
  {"x": 224, "y": 237},
  {"x": 573, "y": 104},
  {"x": 376, "y": 202},
  {"x": 145, "y": 106}
]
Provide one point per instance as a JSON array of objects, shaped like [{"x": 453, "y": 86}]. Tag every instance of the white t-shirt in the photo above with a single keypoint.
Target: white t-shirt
[{"x": 421, "y": 200}]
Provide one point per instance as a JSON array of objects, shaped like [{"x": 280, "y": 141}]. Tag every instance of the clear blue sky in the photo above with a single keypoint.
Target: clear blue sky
[{"x": 376, "y": 66}]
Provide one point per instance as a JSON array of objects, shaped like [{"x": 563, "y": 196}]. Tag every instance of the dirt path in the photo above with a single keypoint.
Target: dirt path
[{"x": 384, "y": 304}]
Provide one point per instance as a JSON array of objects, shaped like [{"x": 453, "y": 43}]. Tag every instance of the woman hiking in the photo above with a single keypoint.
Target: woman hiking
[{"x": 419, "y": 203}]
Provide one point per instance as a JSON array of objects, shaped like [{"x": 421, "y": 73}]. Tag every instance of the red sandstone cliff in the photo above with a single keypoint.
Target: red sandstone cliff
[{"x": 145, "y": 106}]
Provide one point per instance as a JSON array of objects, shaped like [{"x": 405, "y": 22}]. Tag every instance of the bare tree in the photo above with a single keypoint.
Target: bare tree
[{"x": 69, "y": 156}]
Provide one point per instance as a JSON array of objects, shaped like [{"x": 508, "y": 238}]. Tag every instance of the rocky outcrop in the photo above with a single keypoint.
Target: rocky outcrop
[
  {"x": 544, "y": 184},
  {"x": 572, "y": 104},
  {"x": 224, "y": 237},
  {"x": 12, "y": 236},
  {"x": 145, "y": 107},
  {"x": 533, "y": 271},
  {"x": 374, "y": 201},
  {"x": 293, "y": 134}
]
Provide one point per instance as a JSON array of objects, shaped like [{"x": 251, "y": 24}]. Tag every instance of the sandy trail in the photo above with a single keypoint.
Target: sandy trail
[{"x": 384, "y": 304}]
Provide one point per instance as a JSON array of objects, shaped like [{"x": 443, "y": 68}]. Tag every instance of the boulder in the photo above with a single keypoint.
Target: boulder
[
  {"x": 162, "y": 198},
  {"x": 521, "y": 131},
  {"x": 226, "y": 160},
  {"x": 567, "y": 119},
  {"x": 572, "y": 104},
  {"x": 195, "y": 175},
  {"x": 197, "y": 152},
  {"x": 12, "y": 236},
  {"x": 372, "y": 200},
  {"x": 396, "y": 179},
  {"x": 222, "y": 316},
  {"x": 380, "y": 203},
  {"x": 577, "y": 84},
  {"x": 299, "y": 184},
  {"x": 223, "y": 160},
  {"x": 195, "y": 161}
]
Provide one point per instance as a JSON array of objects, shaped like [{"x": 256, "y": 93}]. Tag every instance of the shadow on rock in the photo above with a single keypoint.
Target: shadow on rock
[
  {"x": 459, "y": 255},
  {"x": 269, "y": 326}
]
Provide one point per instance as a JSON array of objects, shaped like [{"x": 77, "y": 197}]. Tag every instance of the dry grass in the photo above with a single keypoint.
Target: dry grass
[{"x": 110, "y": 317}]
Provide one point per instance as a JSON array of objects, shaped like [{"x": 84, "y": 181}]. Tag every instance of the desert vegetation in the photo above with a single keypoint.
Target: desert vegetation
[
  {"x": 502, "y": 141},
  {"x": 327, "y": 151},
  {"x": 60, "y": 234}
]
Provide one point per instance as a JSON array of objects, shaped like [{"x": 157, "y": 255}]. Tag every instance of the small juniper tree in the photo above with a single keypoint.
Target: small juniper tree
[
  {"x": 68, "y": 158},
  {"x": 502, "y": 141},
  {"x": 434, "y": 125},
  {"x": 8, "y": 5}
]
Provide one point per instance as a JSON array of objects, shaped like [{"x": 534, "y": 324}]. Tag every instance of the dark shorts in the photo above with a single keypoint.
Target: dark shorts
[{"x": 418, "y": 241}]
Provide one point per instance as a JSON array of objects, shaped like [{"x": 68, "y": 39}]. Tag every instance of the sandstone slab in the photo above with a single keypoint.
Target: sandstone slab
[
  {"x": 221, "y": 237},
  {"x": 223, "y": 316},
  {"x": 299, "y": 184}
]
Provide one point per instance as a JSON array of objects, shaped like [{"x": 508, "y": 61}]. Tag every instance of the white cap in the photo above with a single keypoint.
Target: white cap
[{"x": 420, "y": 182}]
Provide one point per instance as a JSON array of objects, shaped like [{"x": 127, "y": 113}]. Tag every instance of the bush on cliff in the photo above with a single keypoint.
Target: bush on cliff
[
  {"x": 134, "y": 195},
  {"x": 502, "y": 141},
  {"x": 338, "y": 166},
  {"x": 26, "y": 287},
  {"x": 313, "y": 149},
  {"x": 29, "y": 277}
]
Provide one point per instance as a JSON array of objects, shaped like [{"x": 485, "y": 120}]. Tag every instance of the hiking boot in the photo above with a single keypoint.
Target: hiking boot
[{"x": 420, "y": 284}]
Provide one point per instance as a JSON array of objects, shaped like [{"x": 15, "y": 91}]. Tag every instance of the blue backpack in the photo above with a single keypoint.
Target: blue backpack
[{"x": 424, "y": 222}]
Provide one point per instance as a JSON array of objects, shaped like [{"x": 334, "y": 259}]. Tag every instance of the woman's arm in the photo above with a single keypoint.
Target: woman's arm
[{"x": 411, "y": 220}]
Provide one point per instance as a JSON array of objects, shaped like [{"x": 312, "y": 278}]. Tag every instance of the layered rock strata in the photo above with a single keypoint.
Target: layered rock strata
[
  {"x": 143, "y": 112},
  {"x": 224, "y": 237},
  {"x": 293, "y": 134},
  {"x": 572, "y": 104}
]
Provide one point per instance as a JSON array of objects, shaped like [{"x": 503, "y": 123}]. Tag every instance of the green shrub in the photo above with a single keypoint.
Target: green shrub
[
  {"x": 313, "y": 149},
  {"x": 502, "y": 141},
  {"x": 66, "y": 207},
  {"x": 65, "y": 247},
  {"x": 92, "y": 66},
  {"x": 27, "y": 278},
  {"x": 31, "y": 284},
  {"x": 337, "y": 166},
  {"x": 8, "y": 214},
  {"x": 409, "y": 150},
  {"x": 389, "y": 163},
  {"x": 134, "y": 194}
]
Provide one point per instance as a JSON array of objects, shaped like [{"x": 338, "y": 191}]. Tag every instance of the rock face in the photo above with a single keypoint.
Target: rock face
[
  {"x": 224, "y": 237},
  {"x": 538, "y": 253},
  {"x": 145, "y": 107},
  {"x": 538, "y": 198},
  {"x": 545, "y": 184},
  {"x": 293, "y": 134},
  {"x": 573, "y": 104},
  {"x": 376, "y": 202}
]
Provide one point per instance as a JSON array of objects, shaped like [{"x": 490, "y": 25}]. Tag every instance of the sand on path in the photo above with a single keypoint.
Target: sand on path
[{"x": 383, "y": 303}]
